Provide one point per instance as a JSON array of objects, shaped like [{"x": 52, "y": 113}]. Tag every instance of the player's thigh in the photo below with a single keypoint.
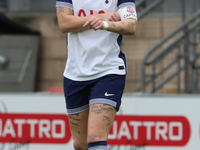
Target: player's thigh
[
  {"x": 78, "y": 125},
  {"x": 108, "y": 90},
  {"x": 101, "y": 117},
  {"x": 76, "y": 96}
]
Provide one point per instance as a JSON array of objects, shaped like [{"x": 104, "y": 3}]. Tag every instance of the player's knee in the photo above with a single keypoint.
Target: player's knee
[
  {"x": 80, "y": 145},
  {"x": 94, "y": 136}
]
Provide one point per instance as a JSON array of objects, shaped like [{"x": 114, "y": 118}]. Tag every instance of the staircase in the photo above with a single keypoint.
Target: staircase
[{"x": 179, "y": 56}]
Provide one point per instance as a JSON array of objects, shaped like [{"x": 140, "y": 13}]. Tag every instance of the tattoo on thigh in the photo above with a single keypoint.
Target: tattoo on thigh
[
  {"x": 78, "y": 132},
  {"x": 97, "y": 109},
  {"x": 105, "y": 118},
  {"x": 77, "y": 114},
  {"x": 72, "y": 123},
  {"x": 109, "y": 125},
  {"x": 71, "y": 117}
]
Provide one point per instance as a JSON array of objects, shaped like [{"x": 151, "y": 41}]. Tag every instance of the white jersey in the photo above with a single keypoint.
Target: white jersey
[{"x": 93, "y": 54}]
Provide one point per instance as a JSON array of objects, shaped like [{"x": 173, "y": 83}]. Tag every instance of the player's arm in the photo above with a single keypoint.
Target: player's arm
[
  {"x": 67, "y": 21},
  {"x": 70, "y": 23},
  {"x": 127, "y": 25}
]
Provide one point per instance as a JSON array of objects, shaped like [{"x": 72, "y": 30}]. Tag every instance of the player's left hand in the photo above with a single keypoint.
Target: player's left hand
[{"x": 94, "y": 23}]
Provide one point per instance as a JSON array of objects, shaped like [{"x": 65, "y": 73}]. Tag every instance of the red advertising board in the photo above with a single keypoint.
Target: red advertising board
[
  {"x": 34, "y": 128},
  {"x": 149, "y": 123},
  {"x": 150, "y": 130},
  {"x": 126, "y": 129}
]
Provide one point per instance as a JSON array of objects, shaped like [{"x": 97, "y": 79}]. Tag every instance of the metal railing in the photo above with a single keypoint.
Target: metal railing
[
  {"x": 184, "y": 42},
  {"x": 149, "y": 8}
]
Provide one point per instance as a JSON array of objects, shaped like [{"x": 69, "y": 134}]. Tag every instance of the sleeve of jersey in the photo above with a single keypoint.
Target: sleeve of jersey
[
  {"x": 127, "y": 9},
  {"x": 64, "y": 3}
]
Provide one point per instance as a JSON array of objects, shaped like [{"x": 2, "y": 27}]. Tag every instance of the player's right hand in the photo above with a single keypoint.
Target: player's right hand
[
  {"x": 94, "y": 23},
  {"x": 110, "y": 16}
]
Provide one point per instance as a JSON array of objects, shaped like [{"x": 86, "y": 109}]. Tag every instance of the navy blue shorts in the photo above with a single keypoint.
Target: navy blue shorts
[{"x": 80, "y": 94}]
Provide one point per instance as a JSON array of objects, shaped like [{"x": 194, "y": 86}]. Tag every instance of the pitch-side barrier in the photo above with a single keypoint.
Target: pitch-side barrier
[{"x": 38, "y": 121}]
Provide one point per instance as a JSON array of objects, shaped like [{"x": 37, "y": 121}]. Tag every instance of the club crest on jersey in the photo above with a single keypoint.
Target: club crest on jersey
[
  {"x": 130, "y": 9},
  {"x": 106, "y": 1}
]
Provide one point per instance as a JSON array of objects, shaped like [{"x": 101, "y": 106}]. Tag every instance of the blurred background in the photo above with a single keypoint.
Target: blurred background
[{"x": 163, "y": 56}]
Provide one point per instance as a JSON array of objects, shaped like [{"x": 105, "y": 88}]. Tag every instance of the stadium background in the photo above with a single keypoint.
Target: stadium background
[
  {"x": 39, "y": 70},
  {"x": 51, "y": 59}
]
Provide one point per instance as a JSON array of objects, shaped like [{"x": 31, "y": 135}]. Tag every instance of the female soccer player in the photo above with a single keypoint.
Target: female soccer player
[{"x": 94, "y": 76}]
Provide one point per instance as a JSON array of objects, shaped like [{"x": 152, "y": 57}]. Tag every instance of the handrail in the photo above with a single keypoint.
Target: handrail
[
  {"x": 182, "y": 27},
  {"x": 169, "y": 48},
  {"x": 25, "y": 65},
  {"x": 138, "y": 4},
  {"x": 167, "y": 79},
  {"x": 149, "y": 8}
]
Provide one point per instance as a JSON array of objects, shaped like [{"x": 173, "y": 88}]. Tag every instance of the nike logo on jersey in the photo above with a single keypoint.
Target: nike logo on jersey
[{"x": 106, "y": 94}]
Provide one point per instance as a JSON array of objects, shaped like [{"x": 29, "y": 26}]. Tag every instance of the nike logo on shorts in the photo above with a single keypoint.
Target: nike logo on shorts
[{"x": 106, "y": 94}]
